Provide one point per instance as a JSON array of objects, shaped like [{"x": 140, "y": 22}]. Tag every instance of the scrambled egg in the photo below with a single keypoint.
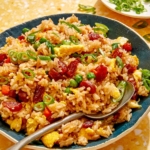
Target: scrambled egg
[
  {"x": 102, "y": 132},
  {"x": 50, "y": 139},
  {"x": 65, "y": 50},
  {"x": 87, "y": 133},
  {"x": 134, "y": 104},
  {"x": 31, "y": 125},
  {"x": 15, "y": 124},
  {"x": 113, "y": 64},
  {"x": 137, "y": 75},
  {"x": 121, "y": 40},
  {"x": 115, "y": 93}
]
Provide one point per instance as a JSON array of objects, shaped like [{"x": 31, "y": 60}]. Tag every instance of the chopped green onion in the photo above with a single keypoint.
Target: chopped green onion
[
  {"x": 128, "y": 5},
  {"x": 22, "y": 57},
  {"x": 71, "y": 26},
  {"x": 39, "y": 106},
  {"x": 101, "y": 52},
  {"x": 24, "y": 30},
  {"x": 53, "y": 56},
  {"x": 50, "y": 46},
  {"x": 74, "y": 39},
  {"x": 88, "y": 9},
  {"x": 46, "y": 58},
  {"x": 3, "y": 80},
  {"x": 101, "y": 28},
  {"x": 28, "y": 73},
  {"x": 146, "y": 78},
  {"x": 55, "y": 34},
  {"x": 73, "y": 83},
  {"x": 83, "y": 57},
  {"x": 78, "y": 78},
  {"x": 90, "y": 75},
  {"x": 140, "y": 24},
  {"x": 115, "y": 45},
  {"x": 31, "y": 38},
  {"x": 119, "y": 62},
  {"x": 32, "y": 54},
  {"x": 75, "y": 55},
  {"x": 14, "y": 58},
  {"x": 121, "y": 86},
  {"x": 48, "y": 99},
  {"x": 147, "y": 37},
  {"x": 146, "y": 83},
  {"x": 66, "y": 42}
]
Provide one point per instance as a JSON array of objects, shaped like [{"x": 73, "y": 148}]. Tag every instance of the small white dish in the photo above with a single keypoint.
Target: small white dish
[{"x": 144, "y": 15}]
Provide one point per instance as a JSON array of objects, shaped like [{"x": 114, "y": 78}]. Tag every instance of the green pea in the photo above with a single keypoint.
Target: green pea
[
  {"x": 67, "y": 90},
  {"x": 78, "y": 78},
  {"x": 42, "y": 40},
  {"x": 73, "y": 83},
  {"x": 24, "y": 30},
  {"x": 90, "y": 75},
  {"x": 36, "y": 45}
]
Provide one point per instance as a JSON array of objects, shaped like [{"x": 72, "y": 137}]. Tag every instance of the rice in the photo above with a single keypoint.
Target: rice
[{"x": 40, "y": 88}]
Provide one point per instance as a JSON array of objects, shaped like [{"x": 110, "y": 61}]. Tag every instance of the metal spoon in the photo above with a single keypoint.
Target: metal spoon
[{"x": 129, "y": 91}]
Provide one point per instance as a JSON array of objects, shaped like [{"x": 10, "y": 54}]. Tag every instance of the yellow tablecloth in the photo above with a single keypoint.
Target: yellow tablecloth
[{"x": 14, "y": 12}]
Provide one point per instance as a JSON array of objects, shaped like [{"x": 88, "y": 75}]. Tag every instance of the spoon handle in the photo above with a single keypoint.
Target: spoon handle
[{"x": 44, "y": 130}]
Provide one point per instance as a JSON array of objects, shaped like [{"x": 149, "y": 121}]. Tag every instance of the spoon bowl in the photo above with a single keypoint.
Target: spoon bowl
[{"x": 129, "y": 91}]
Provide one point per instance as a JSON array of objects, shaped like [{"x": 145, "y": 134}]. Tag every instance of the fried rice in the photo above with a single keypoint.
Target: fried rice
[{"x": 53, "y": 70}]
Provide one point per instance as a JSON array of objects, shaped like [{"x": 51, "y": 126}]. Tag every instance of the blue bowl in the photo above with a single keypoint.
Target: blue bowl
[{"x": 140, "y": 48}]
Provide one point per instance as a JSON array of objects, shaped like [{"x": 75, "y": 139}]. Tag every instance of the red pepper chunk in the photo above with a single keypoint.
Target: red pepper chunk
[
  {"x": 72, "y": 68},
  {"x": 93, "y": 36},
  {"x": 62, "y": 67},
  {"x": 47, "y": 113},
  {"x": 22, "y": 96},
  {"x": 54, "y": 74},
  {"x": 88, "y": 84},
  {"x": 21, "y": 37},
  {"x": 88, "y": 123},
  {"x": 130, "y": 68},
  {"x": 7, "y": 60},
  {"x": 100, "y": 73},
  {"x": 38, "y": 94},
  {"x": 12, "y": 105},
  {"x": 2, "y": 58},
  {"x": 116, "y": 52},
  {"x": 127, "y": 46}
]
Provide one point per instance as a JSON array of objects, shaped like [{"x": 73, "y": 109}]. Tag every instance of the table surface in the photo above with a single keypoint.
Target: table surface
[{"x": 14, "y": 12}]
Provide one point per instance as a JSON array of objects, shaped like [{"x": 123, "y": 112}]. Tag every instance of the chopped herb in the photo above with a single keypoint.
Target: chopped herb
[
  {"x": 71, "y": 26},
  {"x": 88, "y": 9},
  {"x": 146, "y": 78},
  {"x": 74, "y": 39},
  {"x": 147, "y": 37},
  {"x": 119, "y": 62},
  {"x": 115, "y": 45},
  {"x": 128, "y": 5},
  {"x": 140, "y": 24}
]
